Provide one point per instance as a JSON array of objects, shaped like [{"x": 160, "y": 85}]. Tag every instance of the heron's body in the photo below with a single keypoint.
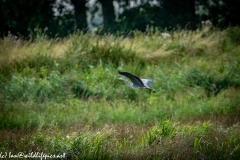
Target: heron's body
[{"x": 136, "y": 82}]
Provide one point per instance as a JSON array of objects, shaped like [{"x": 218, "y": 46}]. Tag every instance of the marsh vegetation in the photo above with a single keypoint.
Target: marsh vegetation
[{"x": 63, "y": 95}]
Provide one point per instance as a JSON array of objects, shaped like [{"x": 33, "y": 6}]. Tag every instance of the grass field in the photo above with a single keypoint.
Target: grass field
[{"x": 63, "y": 96}]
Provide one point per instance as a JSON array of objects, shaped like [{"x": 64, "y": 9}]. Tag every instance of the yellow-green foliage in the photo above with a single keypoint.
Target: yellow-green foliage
[{"x": 53, "y": 89}]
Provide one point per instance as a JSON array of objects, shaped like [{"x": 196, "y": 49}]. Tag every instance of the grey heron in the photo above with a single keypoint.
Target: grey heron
[{"x": 136, "y": 82}]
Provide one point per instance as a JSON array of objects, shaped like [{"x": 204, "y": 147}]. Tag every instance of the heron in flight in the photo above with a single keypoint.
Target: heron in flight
[{"x": 136, "y": 82}]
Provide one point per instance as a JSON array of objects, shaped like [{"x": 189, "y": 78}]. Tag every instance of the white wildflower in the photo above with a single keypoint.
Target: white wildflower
[
  {"x": 52, "y": 142},
  {"x": 32, "y": 143},
  {"x": 165, "y": 35},
  {"x": 68, "y": 137},
  {"x": 208, "y": 22}
]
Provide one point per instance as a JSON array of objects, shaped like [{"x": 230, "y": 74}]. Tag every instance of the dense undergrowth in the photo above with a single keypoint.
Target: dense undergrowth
[{"x": 63, "y": 96}]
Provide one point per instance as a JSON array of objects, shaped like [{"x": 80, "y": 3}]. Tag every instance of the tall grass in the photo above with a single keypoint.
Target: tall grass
[{"x": 63, "y": 95}]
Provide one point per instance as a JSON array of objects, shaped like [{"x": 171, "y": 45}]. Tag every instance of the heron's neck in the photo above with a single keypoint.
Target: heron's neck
[{"x": 127, "y": 82}]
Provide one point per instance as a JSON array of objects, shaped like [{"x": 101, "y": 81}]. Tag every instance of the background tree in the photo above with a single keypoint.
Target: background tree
[
  {"x": 139, "y": 18},
  {"x": 179, "y": 13},
  {"x": 108, "y": 13},
  {"x": 161, "y": 14},
  {"x": 222, "y": 13},
  {"x": 21, "y": 17},
  {"x": 80, "y": 13}
]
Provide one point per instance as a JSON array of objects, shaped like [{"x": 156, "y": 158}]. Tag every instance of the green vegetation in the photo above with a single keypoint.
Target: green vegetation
[{"x": 62, "y": 96}]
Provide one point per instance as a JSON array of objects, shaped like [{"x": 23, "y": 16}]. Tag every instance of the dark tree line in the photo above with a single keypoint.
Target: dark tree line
[
  {"x": 23, "y": 17},
  {"x": 80, "y": 13}
]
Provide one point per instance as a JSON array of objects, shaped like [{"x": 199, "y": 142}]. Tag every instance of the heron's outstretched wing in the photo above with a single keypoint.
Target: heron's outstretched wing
[
  {"x": 135, "y": 80},
  {"x": 147, "y": 82}
]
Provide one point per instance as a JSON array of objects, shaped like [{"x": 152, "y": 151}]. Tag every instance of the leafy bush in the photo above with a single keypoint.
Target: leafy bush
[
  {"x": 52, "y": 86},
  {"x": 234, "y": 34},
  {"x": 81, "y": 91},
  {"x": 212, "y": 83}
]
